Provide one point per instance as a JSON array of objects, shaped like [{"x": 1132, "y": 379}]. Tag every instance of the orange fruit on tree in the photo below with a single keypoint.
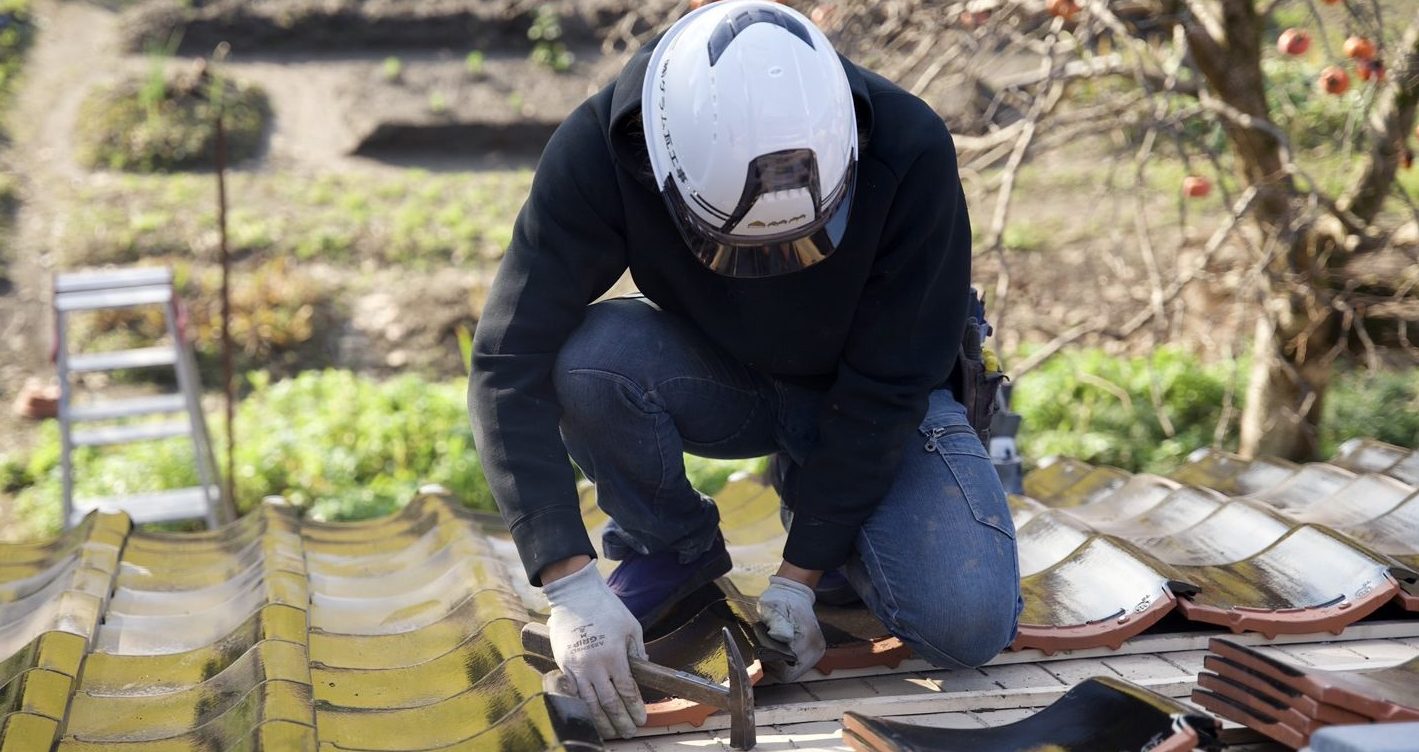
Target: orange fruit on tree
[
  {"x": 1359, "y": 48},
  {"x": 974, "y": 19},
  {"x": 1333, "y": 80},
  {"x": 1368, "y": 69},
  {"x": 1196, "y": 186},
  {"x": 1065, "y": 9},
  {"x": 1293, "y": 42}
]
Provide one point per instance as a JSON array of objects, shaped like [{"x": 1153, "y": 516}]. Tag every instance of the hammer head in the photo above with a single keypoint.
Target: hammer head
[{"x": 741, "y": 696}]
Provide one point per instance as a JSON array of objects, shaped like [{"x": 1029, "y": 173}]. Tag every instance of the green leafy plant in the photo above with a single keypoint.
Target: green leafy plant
[
  {"x": 709, "y": 476},
  {"x": 1379, "y": 404},
  {"x": 337, "y": 445},
  {"x": 473, "y": 64},
  {"x": 410, "y": 218},
  {"x": 438, "y": 103},
  {"x": 1139, "y": 413},
  {"x": 282, "y": 319},
  {"x": 137, "y": 126},
  {"x": 153, "y": 89},
  {"x": 548, "y": 49},
  {"x": 392, "y": 69}
]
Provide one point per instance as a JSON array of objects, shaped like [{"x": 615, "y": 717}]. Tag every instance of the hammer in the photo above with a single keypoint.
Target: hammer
[{"x": 737, "y": 699}]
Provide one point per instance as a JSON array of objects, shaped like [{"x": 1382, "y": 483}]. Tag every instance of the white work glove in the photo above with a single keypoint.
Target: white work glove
[
  {"x": 786, "y": 608},
  {"x": 592, "y": 633}
]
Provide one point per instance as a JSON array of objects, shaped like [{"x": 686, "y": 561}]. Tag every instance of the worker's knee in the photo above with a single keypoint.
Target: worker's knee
[
  {"x": 962, "y": 631},
  {"x": 605, "y": 369}
]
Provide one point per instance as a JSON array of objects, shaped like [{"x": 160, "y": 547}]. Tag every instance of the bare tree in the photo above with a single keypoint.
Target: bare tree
[{"x": 1004, "y": 73}]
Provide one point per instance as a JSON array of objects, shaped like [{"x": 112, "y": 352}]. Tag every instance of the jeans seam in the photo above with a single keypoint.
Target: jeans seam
[
  {"x": 886, "y": 585},
  {"x": 966, "y": 492},
  {"x": 629, "y": 382},
  {"x": 643, "y": 393}
]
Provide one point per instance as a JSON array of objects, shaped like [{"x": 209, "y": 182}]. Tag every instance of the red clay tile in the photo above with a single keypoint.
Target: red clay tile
[
  {"x": 856, "y": 639},
  {"x": 1239, "y": 713},
  {"x": 1258, "y": 705},
  {"x": 1083, "y": 589},
  {"x": 1390, "y": 694},
  {"x": 1264, "y": 686},
  {"x": 1311, "y": 580}
]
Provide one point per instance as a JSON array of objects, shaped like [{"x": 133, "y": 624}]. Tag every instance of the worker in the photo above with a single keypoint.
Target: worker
[{"x": 797, "y": 229}]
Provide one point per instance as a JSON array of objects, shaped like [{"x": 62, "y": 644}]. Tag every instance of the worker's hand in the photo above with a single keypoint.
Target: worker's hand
[
  {"x": 592, "y": 633},
  {"x": 786, "y": 608}
]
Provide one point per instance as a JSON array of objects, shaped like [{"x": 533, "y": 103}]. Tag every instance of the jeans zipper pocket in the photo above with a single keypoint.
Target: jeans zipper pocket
[{"x": 936, "y": 434}]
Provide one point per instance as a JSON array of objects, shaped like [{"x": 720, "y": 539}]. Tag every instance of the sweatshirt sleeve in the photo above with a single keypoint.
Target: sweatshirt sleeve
[
  {"x": 905, "y": 335},
  {"x": 568, "y": 247}
]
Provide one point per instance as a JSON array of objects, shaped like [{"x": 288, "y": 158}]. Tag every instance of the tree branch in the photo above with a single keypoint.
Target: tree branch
[{"x": 1389, "y": 127}]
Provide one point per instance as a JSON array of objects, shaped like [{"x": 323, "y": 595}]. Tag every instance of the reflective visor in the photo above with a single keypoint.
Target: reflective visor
[{"x": 765, "y": 255}]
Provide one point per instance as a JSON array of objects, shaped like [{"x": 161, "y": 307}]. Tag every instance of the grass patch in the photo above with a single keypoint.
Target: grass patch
[
  {"x": 16, "y": 34},
  {"x": 1146, "y": 414},
  {"x": 337, "y": 445},
  {"x": 345, "y": 447},
  {"x": 1380, "y": 405},
  {"x": 1140, "y": 413},
  {"x": 161, "y": 123},
  {"x": 414, "y": 219}
]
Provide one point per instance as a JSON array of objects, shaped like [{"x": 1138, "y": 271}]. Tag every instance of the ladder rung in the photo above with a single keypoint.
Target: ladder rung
[
  {"x": 109, "y": 278},
  {"x": 116, "y": 298},
  {"x": 144, "y": 357},
  {"x": 129, "y": 407},
  {"x": 154, "y": 506},
  {"x": 126, "y": 434}
]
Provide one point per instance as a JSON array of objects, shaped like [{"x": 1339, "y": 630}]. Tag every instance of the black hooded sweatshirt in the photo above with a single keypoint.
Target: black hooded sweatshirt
[{"x": 877, "y": 324}]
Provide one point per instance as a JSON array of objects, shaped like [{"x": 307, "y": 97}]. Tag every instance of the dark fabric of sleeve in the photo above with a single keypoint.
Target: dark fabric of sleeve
[
  {"x": 905, "y": 335},
  {"x": 568, "y": 247}
]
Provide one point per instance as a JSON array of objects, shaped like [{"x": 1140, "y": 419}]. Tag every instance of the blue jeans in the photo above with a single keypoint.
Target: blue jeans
[{"x": 936, "y": 561}]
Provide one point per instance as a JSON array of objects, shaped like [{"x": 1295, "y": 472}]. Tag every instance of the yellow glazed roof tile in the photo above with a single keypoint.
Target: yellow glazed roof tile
[{"x": 273, "y": 634}]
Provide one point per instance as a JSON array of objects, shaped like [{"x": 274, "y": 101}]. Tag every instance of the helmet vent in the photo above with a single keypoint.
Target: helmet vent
[{"x": 734, "y": 25}]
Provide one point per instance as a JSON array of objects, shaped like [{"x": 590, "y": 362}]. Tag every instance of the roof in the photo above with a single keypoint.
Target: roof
[{"x": 403, "y": 633}]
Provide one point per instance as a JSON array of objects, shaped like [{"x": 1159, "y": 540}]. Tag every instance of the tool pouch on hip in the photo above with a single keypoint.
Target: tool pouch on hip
[{"x": 977, "y": 376}]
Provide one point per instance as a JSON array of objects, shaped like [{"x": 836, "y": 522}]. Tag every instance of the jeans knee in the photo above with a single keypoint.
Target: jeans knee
[
  {"x": 586, "y": 374},
  {"x": 970, "y": 635}
]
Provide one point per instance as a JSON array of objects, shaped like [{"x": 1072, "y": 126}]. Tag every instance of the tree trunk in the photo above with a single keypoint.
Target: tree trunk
[{"x": 1291, "y": 370}]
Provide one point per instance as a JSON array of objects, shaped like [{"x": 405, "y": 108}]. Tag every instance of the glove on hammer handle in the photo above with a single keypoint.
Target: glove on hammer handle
[
  {"x": 537, "y": 640},
  {"x": 736, "y": 699}
]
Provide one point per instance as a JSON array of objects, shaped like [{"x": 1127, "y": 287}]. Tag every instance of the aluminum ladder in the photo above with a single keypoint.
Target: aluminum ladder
[{"x": 133, "y": 288}]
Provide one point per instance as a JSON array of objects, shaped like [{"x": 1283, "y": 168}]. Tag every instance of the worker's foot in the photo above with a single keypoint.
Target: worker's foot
[
  {"x": 650, "y": 584},
  {"x": 834, "y": 589}
]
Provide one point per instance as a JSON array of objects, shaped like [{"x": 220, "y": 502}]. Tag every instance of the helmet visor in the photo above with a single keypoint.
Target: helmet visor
[{"x": 771, "y": 255}]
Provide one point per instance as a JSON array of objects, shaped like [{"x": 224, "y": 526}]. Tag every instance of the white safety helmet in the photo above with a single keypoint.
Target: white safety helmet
[{"x": 752, "y": 136}]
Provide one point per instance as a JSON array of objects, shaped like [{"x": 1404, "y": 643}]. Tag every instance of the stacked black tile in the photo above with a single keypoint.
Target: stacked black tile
[
  {"x": 1102, "y": 713},
  {"x": 1289, "y": 703}
]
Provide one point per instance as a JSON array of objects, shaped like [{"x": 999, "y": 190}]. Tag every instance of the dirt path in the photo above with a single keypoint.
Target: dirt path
[{"x": 74, "y": 47}]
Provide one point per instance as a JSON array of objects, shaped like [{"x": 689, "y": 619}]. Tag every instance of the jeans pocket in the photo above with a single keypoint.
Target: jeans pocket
[{"x": 966, "y": 459}]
